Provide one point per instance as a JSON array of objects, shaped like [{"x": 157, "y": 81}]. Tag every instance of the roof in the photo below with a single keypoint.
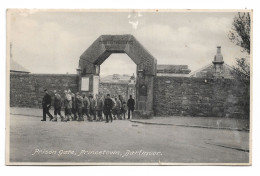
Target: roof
[
  {"x": 199, "y": 70},
  {"x": 15, "y": 67},
  {"x": 181, "y": 69},
  {"x": 208, "y": 71}
]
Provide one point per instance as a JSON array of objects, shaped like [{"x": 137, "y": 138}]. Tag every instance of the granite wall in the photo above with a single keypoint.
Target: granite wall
[
  {"x": 178, "y": 96},
  {"x": 27, "y": 90},
  {"x": 182, "y": 96}
]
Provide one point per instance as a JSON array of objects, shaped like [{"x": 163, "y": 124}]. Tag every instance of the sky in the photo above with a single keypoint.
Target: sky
[{"x": 52, "y": 42}]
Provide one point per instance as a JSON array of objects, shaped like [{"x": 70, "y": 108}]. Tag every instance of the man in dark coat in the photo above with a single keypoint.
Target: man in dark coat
[
  {"x": 92, "y": 106},
  {"x": 79, "y": 106},
  {"x": 131, "y": 106},
  {"x": 67, "y": 106},
  {"x": 100, "y": 105},
  {"x": 123, "y": 109},
  {"x": 46, "y": 104},
  {"x": 86, "y": 107},
  {"x": 74, "y": 107},
  {"x": 108, "y": 105},
  {"x": 57, "y": 103},
  {"x": 118, "y": 108}
]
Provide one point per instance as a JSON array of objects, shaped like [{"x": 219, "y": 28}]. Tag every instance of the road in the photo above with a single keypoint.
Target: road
[{"x": 122, "y": 142}]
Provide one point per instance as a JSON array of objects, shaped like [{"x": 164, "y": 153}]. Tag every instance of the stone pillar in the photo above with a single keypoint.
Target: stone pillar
[{"x": 144, "y": 95}]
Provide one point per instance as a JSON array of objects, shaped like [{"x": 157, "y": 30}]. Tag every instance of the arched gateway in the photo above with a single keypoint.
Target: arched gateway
[{"x": 101, "y": 49}]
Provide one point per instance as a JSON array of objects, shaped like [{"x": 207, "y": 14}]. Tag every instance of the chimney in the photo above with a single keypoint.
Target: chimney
[
  {"x": 218, "y": 59},
  {"x": 218, "y": 63},
  {"x": 218, "y": 49}
]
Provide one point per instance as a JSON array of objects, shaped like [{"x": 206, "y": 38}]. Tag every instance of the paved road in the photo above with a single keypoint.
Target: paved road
[{"x": 122, "y": 141}]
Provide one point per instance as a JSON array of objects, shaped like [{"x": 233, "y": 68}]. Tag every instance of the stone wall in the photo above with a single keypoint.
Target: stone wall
[
  {"x": 182, "y": 96},
  {"x": 27, "y": 90},
  {"x": 116, "y": 89},
  {"x": 179, "y": 96}
]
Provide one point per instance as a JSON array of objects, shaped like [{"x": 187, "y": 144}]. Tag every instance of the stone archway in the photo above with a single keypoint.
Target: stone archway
[{"x": 101, "y": 49}]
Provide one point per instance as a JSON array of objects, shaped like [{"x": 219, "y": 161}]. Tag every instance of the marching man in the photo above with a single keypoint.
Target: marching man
[
  {"x": 46, "y": 104},
  {"x": 57, "y": 105},
  {"x": 67, "y": 106}
]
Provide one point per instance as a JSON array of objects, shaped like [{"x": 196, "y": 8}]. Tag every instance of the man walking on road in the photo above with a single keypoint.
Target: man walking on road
[
  {"x": 74, "y": 107},
  {"x": 100, "y": 104},
  {"x": 57, "y": 103},
  {"x": 79, "y": 105},
  {"x": 118, "y": 108},
  {"x": 46, "y": 104},
  {"x": 130, "y": 105},
  {"x": 108, "y": 105},
  {"x": 86, "y": 107},
  {"x": 67, "y": 106},
  {"x": 92, "y": 107}
]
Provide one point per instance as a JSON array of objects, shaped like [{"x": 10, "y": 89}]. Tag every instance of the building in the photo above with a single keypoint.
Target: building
[
  {"x": 217, "y": 69},
  {"x": 17, "y": 68},
  {"x": 173, "y": 70},
  {"x": 117, "y": 78}
]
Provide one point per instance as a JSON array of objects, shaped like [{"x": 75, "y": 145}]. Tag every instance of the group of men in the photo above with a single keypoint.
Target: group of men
[{"x": 76, "y": 106}]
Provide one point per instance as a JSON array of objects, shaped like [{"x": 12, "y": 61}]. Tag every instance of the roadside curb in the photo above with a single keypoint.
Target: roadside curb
[
  {"x": 167, "y": 124},
  {"x": 192, "y": 126},
  {"x": 26, "y": 115},
  {"x": 230, "y": 147}
]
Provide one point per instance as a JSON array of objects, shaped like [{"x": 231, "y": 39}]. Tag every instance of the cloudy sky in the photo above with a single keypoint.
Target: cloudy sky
[{"x": 52, "y": 42}]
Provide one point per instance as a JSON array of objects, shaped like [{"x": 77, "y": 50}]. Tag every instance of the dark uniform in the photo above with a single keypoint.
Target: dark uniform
[
  {"x": 118, "y": 108},
  {"x": 100, "y": 105},
  {"x": 74, "y": 109},
  {"x": 79, "y": 107},
  {"x": 46, "y": 104},
  {"x": 108, "y": 105},
  {"x": 130, "y": 105},
  {"x": 123, "y": 109},
  {"x": 67, "y": 106},
  {"x": 92, "y": 107},
  {"x": 86, "y": 107},
  {"x": 57, "y": 103}
]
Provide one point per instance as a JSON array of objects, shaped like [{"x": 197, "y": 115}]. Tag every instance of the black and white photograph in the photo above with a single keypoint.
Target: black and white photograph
[{"x": 129, "y": 87}]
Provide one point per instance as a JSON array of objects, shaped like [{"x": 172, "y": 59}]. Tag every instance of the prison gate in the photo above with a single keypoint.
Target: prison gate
[{"x": 154, "y": 95}]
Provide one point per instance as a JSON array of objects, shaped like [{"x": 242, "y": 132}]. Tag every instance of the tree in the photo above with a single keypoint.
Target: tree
[
  {"x": 240, "y": 35},
  {"x": 240, "y": 31},
  {"x": 241, "y": 71}
]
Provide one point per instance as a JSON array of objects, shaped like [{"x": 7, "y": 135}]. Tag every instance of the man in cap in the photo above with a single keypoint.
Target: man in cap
[
  {"x": 100, "y": 105},
  {"x": 123, "y": 109},
  {"x": 86, "y": 106},
  {"x": 114, "y": 107},
  {"x": 74, "y": 107},
  {"x": 69, "y": 96},
  {"x": 108, "y": 105},
  {"x": 131, "y": 106},
  {"x": 67, "y": 106},
  {"x": 57, "y": 103},
  {"x": 46, "y": 104},
  {"x": 118, "y": 108},
  {"x": 92, "y": 107},
  {"x": 79, "y": 105}
]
